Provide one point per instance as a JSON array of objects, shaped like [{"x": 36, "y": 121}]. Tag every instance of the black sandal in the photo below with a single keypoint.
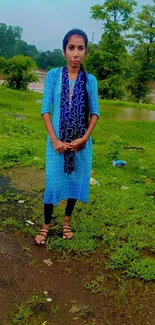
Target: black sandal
[
  {"x": 43, "y": 241},
  {"x": 66, "y": 230}
]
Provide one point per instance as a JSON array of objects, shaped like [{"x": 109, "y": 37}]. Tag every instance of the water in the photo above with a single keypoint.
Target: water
[{"x": 127, "y": 114}]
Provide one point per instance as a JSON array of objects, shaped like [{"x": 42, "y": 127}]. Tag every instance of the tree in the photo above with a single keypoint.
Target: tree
[
  {"x": 145, "y": 25},
  {"x": 32, "y": 52},
  {"x": 2, "y": 64},
  {"x": 116, "y": 16},
  {"x": 23, "y": 48},
  {"x": 57, "y": 58},
  {"x": 94, "y": 62},
  {"x": 8, "y": 37},
  {"x": 145, "y": 33},
  {"x": 19, "y": 71},
  {"x": 143, "y": 65},
  {"x": 42, "y": 60},
  {"x": 51, "y": 59}
]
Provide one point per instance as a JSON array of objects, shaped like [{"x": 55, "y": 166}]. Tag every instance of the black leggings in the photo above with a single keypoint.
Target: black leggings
[{"x": 48, "y": 210}]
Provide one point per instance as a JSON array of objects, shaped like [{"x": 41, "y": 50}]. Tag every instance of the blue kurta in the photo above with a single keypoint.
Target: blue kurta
[{"x": 60, "y": 185}]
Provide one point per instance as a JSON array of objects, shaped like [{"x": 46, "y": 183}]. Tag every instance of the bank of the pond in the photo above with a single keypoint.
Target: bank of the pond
[{"x": 127, "y": 104}]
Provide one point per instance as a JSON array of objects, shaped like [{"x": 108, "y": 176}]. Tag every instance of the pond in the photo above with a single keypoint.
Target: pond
[{"x": 127, "y": 114}]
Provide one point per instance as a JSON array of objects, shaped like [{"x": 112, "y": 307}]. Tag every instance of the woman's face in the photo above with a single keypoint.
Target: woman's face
[{"x": 75, "y": 51}]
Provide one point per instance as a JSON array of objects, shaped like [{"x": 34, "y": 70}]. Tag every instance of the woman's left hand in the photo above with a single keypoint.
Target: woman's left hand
[{"x": 76, "y": 144}]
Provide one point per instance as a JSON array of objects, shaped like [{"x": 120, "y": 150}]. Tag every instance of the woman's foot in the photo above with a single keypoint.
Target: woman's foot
[
  {"x": 40, "y": 239},
  {"x": 66, "y": 229}
]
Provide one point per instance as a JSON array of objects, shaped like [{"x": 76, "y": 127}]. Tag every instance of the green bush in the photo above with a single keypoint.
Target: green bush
[{"x": 19, "y": 71}]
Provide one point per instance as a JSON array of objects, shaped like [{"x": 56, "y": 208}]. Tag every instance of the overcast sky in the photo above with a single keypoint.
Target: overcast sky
[{"x": 45, "y": 22}]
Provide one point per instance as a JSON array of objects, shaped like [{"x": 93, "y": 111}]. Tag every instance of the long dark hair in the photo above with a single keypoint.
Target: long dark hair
[
  {"x": 79, "y": 32},
  {"x": 85, "y": 97}
]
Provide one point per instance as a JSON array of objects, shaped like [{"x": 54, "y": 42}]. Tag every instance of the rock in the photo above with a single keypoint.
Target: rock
[
  {"x": 125, "y": 188},
  {"x": 75, "y": 309},
  {"x": 82, "y": 311},
  {"x": 94, "y": 181},
  {"x": 36, "y": 158},
  {"x": 48, "y": 262},
  {"x": 30, "y": 222}
]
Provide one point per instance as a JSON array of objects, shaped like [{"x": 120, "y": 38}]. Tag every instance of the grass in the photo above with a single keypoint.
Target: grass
[
  {"x": 33, "y": 312},
  {"x": 16, "y": 133},
  {"x": 121, "y": 213},
  {"x": 95, "y": 286}
]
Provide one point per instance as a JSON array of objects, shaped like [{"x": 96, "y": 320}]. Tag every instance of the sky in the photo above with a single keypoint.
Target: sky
[{"x": 45, "y": 22}]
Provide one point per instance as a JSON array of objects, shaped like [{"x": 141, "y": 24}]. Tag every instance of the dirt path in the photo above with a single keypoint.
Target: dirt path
[{"x": 24, "y": 272}]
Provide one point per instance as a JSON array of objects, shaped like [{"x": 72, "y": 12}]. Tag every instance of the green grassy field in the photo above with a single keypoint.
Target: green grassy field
[{"x": 120, "y": 217}]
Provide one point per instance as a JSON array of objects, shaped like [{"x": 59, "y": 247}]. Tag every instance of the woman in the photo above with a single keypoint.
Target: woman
[{"x": 70, "y": 112}]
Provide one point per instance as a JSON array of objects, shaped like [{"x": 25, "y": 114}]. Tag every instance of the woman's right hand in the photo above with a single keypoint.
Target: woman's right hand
[{"x": 59, "y": 146}]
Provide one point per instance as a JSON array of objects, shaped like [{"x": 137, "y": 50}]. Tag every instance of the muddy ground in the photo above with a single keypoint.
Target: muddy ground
[{"x": 26, "y": 269}]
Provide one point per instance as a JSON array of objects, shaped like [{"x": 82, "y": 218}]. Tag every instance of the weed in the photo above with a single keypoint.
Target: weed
[
  {"x": 25, "y": 248},
  {"x": 30, "y": 313},
  {"x": 95, "y": 286},
  {"x": 33, "y": 263}
]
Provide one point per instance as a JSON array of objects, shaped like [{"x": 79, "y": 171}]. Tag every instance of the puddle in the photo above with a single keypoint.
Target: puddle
[
  {"x": 127, "y": 114},
  {"x": 15, "y": 115}
]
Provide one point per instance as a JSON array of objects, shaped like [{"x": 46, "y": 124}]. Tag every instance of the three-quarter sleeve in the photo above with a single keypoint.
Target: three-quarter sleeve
[
  {"x": 93, "y": 96},
  {"x": 48, "y": 91}
]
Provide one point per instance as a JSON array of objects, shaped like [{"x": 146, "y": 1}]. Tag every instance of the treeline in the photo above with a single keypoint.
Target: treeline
[
  {"x": 11, "y": 45},
  {"x": 124, "y": 59}
]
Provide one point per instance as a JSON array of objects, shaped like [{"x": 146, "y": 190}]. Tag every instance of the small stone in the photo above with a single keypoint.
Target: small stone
[
  {"x": 36, "y": 158},
  {"x": 125, "y": 188},
  {"x": 48, "y": 262},
  {"x": 30, "y": 222},
  {"x": 94, "y": 181},
  {"x": 39, "y": 101},
  {"x": 46, "y": 293}
]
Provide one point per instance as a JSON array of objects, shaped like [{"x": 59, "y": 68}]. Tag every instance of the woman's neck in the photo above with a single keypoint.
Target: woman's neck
[{"x": 72, "y": 72}]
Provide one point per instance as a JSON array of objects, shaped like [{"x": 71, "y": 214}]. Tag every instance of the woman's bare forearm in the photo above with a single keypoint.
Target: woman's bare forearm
[
  {"x": 51, "y": 132},
  {"x": 92, "y": 123},
  {"x": 49, "y": 126}
]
